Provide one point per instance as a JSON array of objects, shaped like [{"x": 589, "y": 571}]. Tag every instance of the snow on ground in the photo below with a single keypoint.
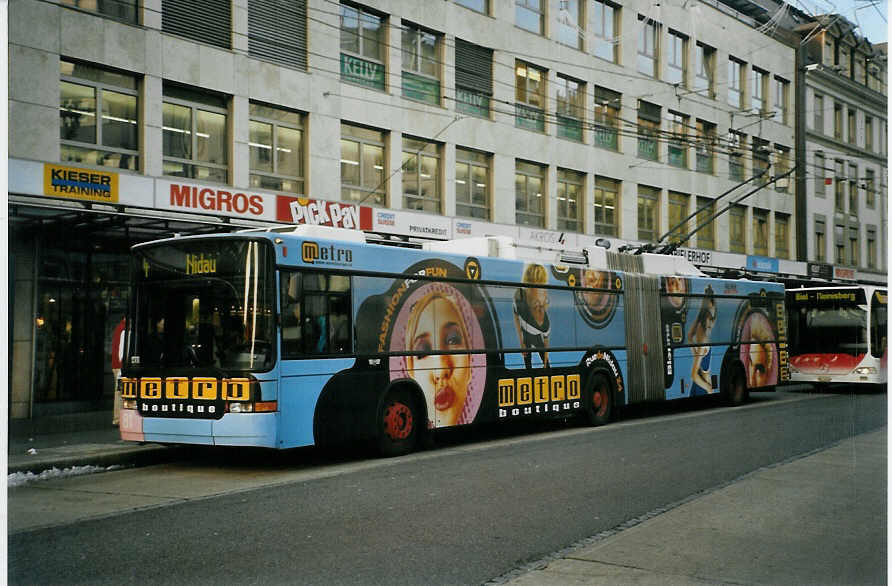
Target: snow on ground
[{"x": 22, "y": 478}]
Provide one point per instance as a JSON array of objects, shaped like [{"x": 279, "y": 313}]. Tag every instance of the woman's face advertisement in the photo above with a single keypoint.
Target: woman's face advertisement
[{"x": 437, "y": 325}]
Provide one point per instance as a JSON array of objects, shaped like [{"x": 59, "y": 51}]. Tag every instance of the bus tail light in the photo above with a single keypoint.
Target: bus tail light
[
  {"x": 266, "y": 406},
  {"x": 247, "y": 407}
]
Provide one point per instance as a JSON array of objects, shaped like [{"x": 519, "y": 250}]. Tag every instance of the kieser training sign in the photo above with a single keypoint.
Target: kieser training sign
[{"x": 76, "y": 183}]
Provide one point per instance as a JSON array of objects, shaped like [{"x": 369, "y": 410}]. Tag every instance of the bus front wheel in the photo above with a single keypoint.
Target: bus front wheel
[
  {"x": 398, "y": 422},
  {"x": 599, "y": 400}
]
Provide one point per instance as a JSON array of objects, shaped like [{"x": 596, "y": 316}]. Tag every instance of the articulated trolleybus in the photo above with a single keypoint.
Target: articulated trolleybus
[
  {"x": 838, "y": 335},
  {"x": 315, "y": 336}
]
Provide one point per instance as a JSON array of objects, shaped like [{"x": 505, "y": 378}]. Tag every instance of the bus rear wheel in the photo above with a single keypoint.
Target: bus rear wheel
[
  {"x": 599, "y": 401},
  {"x": 398, "y": 422},
  {"x": 736, "y": 392}
]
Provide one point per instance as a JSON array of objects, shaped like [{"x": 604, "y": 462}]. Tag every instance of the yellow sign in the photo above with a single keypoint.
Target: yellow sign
[
  {"x": 540, "y": 389},
  {"x": 75, "y": 183}
]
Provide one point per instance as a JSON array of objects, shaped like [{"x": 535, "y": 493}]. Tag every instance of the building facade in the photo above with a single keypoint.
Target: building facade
[
  {"x": 846, "y": 140},
  {"x": 562, "y": 123}
]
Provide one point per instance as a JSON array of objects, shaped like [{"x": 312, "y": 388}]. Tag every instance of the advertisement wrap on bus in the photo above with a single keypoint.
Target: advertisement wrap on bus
[{"x": 282, "y": 340}]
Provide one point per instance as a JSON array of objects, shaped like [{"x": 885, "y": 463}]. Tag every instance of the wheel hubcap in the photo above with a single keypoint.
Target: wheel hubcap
[{"x": 398, "y": 422}]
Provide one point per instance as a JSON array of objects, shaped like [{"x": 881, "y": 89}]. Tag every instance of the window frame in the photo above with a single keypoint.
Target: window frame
[
  {"x": 527, "y": 115},
  {"x": 737, "y": 226},
  {"x": 193, "y": 162},
  {"x": 578, "y": 32},
  {"x": 677, "y": 147},
  {"x": 707, "y": 137},
  {"x": 760, "y": 232},
  {"x": 678, "y": 208},
  {"x": 525, "y": 169},
  {"x": 378, "y": 61},
  {"x": 473, "y": 159},
  {"x": 607, "y": 118},
  {"x": 415, "y": 72},
  {"x": 853, "y": 189},
  {"x": 781, "y": 100},
  {"x": 570, "y": 116},
  {"x": 818, "y": 121},
  {"x": 649, "y": 199},
  {"x": 567, "y": 221},
  {"x": 736, "y": 70},
  {"x": 704, "y": 75},
  {"x": 705, "y": 230},
  {"x": 275, "y": 124},
  {"x": 820, "y": 231},
  {"x": 677, "y": 50},
  {"x": 99, "y": 87},
  {"x": 648, "y": 130},
  {"x": 602, "y": 187},
  {"x": 605, "y": 15},
  {"x": 648, "y": 47},
  {"x": 330, "y": 297},
  {"x": 781, "y": 235},
  {"x": 820, "y": 174},
  {"x": 522, "y": 7},
  {"x": 759, "y": 92},
  {"x": 362, "y": 137},
  {"x": 426, "y": 150}
]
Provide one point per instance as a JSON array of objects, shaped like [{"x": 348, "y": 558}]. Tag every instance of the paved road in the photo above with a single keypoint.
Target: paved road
[{"x": 463, "y": 513}]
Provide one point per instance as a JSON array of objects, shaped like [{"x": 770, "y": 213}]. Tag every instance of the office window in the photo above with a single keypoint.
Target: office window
[
  {"x": 98, "y": 116},
  {"x": 607, "y": 108},
  {"x": 704, "y": 74},
  {"x": 530, "y": 15},
  {"x": 123, "y": 10},
  {"x": 570, "y": 108},
  {"x": 530, "y": 97},
  {"x": 362, "y": 165},
  {"x": 819, "y": 114},
  {"x": 869, "y": 188},
  {"x": 871, "y": 248},
  {"x": 648, "y": 213},
  {"x": 736, "y": 150},
  {"x": 760, "y": 89},
  {"x": 473, "y": 78},
  {"x": 760, "y": 232},
  {"x": 606, "y": 200},
  {"x": 781, "y": 166},
  {"x": 648, "y": 131},
  {"x": 605, "y": 19},
  {"x": 570, "y": 187},
  {"x": 529, "y": 196},
  {"x": 761, "y": 159},
  {"x": 735, "y": 83},
  {"x": 678, "y": 140},
  {"x": 737, "y": 225},
  {"x": 362, "y": 47},
  {"x": 276, "y": 150},
  {"x": 845, "y": 61},
  {"x": 677, "y": 59},
  {"x": 571, "y": 23},
  {"x": 195, "y": 139},
  {"x": 211, "y": 24},
  {"x": 852, "y": 126},
  {"x": 781, "y": 235},
  {"x": 820, "y": 174},
  {"x": 648, "y": 46},
  {"x": 781, "y": 100},
  {"x": 853, "y": 189},
  {"x": 820, "y": 241},
  {"x": 868, "y": 133},
  {"x": 678, "y": 211},
  {"x": 839, "y": 244},
  {"x": 706, "y": 140},
  {"x": 481, "y": 6},
  {"x": 838, "y": 183},
  {"x": 705, "y": 223},
  {"x": 277, "y": 32},
  {"x": 854, "y": 246},
  {"x": 421, "y": 69},
  {"x": 472, "y": 184},
  {"x": 421, "y": 176},
  {"x": 837, "y": 120}
]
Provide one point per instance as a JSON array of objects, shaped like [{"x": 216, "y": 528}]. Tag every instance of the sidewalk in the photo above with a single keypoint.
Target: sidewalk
[
  {"x": 820, "y": 519},
  {"x": 76, "y": 439}
]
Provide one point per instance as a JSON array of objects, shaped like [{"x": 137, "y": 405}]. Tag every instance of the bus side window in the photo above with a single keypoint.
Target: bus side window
[{"x": 291, "y": 299}]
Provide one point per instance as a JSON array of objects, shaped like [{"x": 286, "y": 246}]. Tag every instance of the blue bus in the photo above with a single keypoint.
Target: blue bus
[{"x": 315, "y": 336}]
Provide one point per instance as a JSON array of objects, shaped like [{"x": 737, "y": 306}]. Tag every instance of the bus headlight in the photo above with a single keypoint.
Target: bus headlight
[
  {"x": 866, "y": 370},
  {"x": 128, "y": 404},
  {"x": 241, "y": 407}
]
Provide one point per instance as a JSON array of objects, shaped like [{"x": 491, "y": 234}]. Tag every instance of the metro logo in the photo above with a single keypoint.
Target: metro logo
[
  {"x": 540, "y": 389},
  {"x": 181, "y": 387},
  {"x": 310, "y": 252}
]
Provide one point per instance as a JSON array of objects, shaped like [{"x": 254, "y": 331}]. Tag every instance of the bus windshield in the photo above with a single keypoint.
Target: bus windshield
[
  {"x": 203, "y": 303},
  {"x": 830, "y": 323}
]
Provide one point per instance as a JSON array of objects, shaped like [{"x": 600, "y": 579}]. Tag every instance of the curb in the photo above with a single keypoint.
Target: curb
[{"x": 142, "y": 455}]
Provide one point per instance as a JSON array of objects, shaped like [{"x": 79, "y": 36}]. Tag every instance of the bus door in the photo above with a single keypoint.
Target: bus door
[
  {"x": 644, "y": 341},
  {"x": 316, "y": 334}
]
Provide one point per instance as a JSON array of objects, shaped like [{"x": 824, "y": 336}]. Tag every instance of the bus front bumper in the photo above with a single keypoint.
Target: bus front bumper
[{"x": 233, "y": 429}]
